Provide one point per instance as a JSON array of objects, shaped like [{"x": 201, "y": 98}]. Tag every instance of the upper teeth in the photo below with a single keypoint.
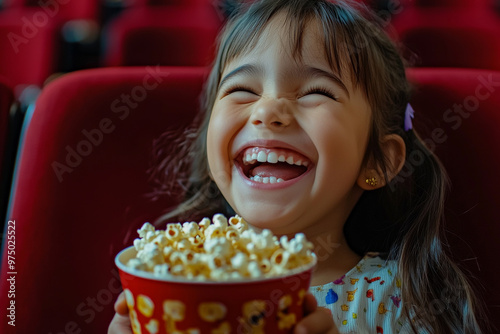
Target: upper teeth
[{"x": 272, "y": 157}]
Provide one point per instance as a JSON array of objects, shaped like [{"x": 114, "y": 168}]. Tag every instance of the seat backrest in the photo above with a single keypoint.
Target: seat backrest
[
  {"x": 6, "y": 100},
  {"x": 63, "y": 10},
  {"x": 162, "y": 2},
  {"x": 454, "y": 46},
  {"x": 168, "y": 37},
  {"x": 457, "y": 113},
  {"x": 80, "y": 191},
  {"x": 448, "y": 37},
  {"x": 6, "y": 103},
  {"x": 29, "y": 47},
  {"x": 447, "y": 3}
]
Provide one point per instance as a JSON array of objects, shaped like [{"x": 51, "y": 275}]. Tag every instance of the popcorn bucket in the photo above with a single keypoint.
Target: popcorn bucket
[{"x": 179, "y": 305}]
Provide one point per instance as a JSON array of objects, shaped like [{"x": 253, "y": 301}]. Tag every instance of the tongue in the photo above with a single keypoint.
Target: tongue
[{"x": 280, "y": 171}]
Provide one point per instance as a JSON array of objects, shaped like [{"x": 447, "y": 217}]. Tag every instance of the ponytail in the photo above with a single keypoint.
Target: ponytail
[
  {"x": 438, "y": 297},
  {"x": 404, "y": 221}
]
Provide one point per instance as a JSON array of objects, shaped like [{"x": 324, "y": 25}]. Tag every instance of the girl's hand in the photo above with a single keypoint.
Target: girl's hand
[
  {"x": 317, "y": 320},
  {"x": 121, "y": 322}
]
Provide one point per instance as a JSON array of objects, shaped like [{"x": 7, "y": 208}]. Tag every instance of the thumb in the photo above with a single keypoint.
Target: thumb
[
  {"x": 120, "y": 325},
  {"x": 121, "y": 305},
  {"x": 310, "y": 304}
]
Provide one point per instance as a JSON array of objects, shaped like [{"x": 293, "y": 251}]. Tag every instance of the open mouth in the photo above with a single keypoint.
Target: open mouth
[{"x": 270, "y": 166}]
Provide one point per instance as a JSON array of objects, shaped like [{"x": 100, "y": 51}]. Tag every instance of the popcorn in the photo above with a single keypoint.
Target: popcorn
[
  {"x": 219, "y": 250},
  {"x": 151, "y": 255},
  {"x": 218, "y": 246},
  {"x": 174, "y": 231},
  {"x": 137, "y": 264},
  {"x": 220, "y": 221},
  {"x": 239, "y": 262},
  {"x": 161, "y": 270},
  {"x": 254, "y": 269},
  {"x": 144, "y": 229},
  {"x": 190, "y": 229},
  {"x": 299, "y": 245}
]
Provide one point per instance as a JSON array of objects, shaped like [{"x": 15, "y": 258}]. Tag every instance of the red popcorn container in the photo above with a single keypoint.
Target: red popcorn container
[{"x": 179, "y": 305}]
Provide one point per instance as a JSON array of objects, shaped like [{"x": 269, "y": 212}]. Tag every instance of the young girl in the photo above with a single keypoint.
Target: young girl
[{"x": 307, "y": 127}]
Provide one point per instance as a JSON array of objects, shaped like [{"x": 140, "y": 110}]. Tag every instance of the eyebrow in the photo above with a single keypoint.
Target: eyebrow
[{"x": 247, "y": 69}]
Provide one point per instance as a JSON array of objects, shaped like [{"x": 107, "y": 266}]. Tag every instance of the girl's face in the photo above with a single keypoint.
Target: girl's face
[{"x": 287, "y": 136}]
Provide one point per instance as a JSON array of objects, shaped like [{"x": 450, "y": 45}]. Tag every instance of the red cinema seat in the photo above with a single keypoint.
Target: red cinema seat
[
  {"x": 61, "y": 10},
  {"x": 142, "y": 3},
  {"x": 41, "y": 37},
  {"x": 470, "y": 5},
  {"x": 446, "y": 3},
  {"x": 29, "y": 48},
  {"x": 168, "y": 37},
  {"x": 6, "y": 101},
  {"x": 6, "y": 104},
  {"x": 445, "y": 47},
  {"x": 81, "y": 190},
  {"x": 441, "y": 37},
  {"x": 457, "y": 112}
]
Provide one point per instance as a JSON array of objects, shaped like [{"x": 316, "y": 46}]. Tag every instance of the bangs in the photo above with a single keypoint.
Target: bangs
[{"x": 343, "y": 37}]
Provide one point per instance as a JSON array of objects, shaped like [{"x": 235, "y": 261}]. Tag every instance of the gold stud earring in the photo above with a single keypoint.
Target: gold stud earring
[{"x": 372, "y": 181}]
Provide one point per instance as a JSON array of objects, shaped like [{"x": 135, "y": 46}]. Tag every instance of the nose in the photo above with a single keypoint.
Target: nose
[{"x": 273, "y": 114}]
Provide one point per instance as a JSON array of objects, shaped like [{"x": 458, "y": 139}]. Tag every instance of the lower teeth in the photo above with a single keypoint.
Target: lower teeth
[{"x": 266, "y": 180}]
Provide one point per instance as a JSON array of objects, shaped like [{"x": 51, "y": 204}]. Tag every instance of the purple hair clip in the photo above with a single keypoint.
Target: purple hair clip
[{"x": 409, "y": 115}]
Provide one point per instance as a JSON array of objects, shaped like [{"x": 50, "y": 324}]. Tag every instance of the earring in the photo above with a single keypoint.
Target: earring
[{"x": 372, "y": 181}]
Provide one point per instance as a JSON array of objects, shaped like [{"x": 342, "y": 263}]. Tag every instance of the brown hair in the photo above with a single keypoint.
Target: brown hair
[{"x": 406, "y": 214}]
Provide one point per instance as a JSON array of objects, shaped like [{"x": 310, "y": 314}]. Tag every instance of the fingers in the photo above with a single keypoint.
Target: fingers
[
  {"x": 316, "y": 319},
  {"x": 121, "y": 305},
  {"x": 120, "y": 325},
  {"x": 318, "y": 322},
  {"x": 310, "y": 304}
]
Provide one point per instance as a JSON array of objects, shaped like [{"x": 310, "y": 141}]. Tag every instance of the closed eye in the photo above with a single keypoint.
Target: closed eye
[
  {"x": 320, "y": 91},
  {"x": 239, "y": 88}
]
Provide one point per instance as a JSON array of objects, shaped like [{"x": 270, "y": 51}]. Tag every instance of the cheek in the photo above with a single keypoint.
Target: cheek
[
  {"x": 217, "y": 155},
  {"x": 224, "y": 125},
  {"x": 341, "y": 145}
]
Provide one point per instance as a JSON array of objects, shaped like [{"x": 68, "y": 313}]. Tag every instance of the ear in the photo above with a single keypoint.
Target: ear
[{"x": 371, "y": 176}]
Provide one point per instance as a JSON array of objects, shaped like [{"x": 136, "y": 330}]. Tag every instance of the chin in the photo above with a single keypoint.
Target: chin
[{"x": 273, "y": 220}]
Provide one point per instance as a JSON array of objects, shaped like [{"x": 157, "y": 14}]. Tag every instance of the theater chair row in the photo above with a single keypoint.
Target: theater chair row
[
  {"x": 81, "y": 179},
  {"x": 42, "y": 41}
]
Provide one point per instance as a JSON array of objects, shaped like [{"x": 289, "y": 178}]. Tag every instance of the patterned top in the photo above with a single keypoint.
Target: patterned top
[{"x": 367, "y": 299}]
